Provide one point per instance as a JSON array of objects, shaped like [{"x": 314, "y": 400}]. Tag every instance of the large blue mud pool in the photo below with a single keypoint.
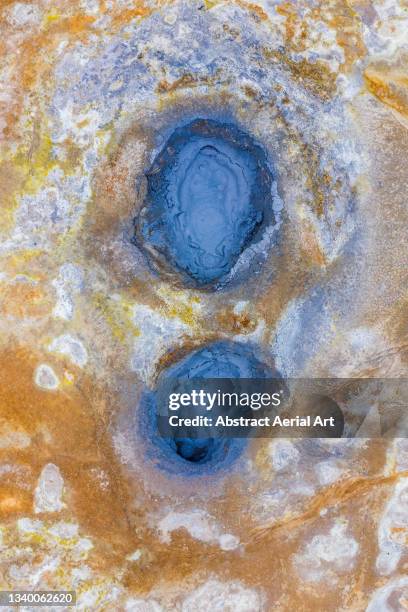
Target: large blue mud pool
[
  {"x": 209, "y": 196},
  {"x": 193, "y": 457}
]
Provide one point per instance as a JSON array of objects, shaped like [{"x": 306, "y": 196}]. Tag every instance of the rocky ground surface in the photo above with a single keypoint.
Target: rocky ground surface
[{"x": 90, "y": 91}]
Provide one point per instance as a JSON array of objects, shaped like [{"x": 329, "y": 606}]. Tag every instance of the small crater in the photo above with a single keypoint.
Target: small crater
[{"x": 198, "y": 456}]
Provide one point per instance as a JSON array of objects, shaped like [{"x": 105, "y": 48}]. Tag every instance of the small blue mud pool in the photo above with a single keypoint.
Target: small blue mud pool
[
  {"x": 198, "y": 457},
  {"x": 209, "y": 196}
]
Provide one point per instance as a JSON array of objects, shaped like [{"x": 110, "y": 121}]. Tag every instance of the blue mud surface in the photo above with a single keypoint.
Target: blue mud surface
[
  {"x": 208, "y": 197},
  {"x": 199, "y": 457}
]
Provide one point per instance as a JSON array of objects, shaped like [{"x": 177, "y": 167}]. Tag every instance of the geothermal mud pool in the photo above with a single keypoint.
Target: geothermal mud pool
[
  {"x": 208, "y": 194},
  {"x": 210, "y": 186},
  {"x": 218, "y": 360}
]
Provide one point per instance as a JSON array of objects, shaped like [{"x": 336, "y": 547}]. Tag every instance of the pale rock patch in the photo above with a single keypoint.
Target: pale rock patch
[
  {"x": 135, "y": 556},
  {"x": 157, "y": 334},
  {"x": 328, "y": 472},
  {"x": 228, "y": 541},
  {"x": 142, "y": 605},
  {"x": 23, "y": 14},
  {"x": 200, "y": 525},
  {"x": 90, "y": 6},
  {"x": 31, "y": 575},
  {"x": 48, "y": 493},
  {"x": 45, "y": 377},
  {"x": 392, "y": 597},
  {"x": 71, "y": 347},
  {"x": 67, "y": 285},
  {"x": 13, "y": 439},
  {"x": 327, "y": 555},
  {"x": 220, "y": 596},
  {"x": 303, "y": 488},
  {"x": 64, "y": 530},
  {"x": 27, "y": 526},
  {"x": 81, "y": 549},
  {"x": 80, "y": 575}
]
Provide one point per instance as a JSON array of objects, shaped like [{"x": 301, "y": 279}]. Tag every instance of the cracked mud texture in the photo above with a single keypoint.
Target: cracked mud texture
[{"x": 209, "y": 191}]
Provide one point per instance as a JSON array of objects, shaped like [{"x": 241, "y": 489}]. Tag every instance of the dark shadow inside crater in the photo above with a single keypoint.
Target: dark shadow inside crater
[
  {"x": 209, "y": 196},
  {"x": 197, "y": 451}
]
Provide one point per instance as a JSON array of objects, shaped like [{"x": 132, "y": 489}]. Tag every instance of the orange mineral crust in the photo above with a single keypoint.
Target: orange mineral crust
[{"x": 93, "y": 311}]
